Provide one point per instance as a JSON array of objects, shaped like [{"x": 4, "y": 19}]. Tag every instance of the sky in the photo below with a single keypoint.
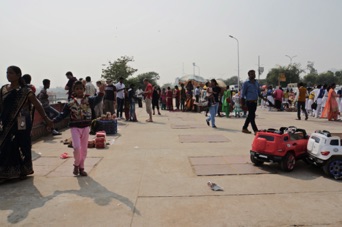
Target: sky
[{"x": 47, "y": 38}]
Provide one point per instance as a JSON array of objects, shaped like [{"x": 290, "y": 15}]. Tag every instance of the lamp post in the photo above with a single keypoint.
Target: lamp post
[
  {"x": 291, "y": 58},
  {"x": 237, "y": 60},
  {"x": 197, "y": 67}
]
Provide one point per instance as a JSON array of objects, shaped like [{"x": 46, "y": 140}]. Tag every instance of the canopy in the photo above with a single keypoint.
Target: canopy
[
  {"x": 221, "y": 83},
  {"x": 192, "y": 78}
]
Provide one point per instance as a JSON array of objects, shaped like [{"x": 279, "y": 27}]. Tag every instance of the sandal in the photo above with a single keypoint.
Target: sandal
[
  {"x": 83, "y": 173},
  {"x": 76, "y": 170}
]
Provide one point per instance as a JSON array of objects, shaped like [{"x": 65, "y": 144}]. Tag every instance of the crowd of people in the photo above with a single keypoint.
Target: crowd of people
[{"x": 86, "y": 102}]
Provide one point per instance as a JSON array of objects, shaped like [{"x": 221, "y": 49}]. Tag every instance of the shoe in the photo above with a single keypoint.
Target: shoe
[
  {"x": 56, "y": 133},
  {"x": 246, "y": 131},
  {"x": 76, "y": 170},
  {"x": 83, "y": 173},
  {"x": 207, "y": 122},
  {"x": 159, "y": 113},
  {"x": 298, "y": 119},
  {"x": 306, "y": 118},
  {"x": 214, "y": 126}
]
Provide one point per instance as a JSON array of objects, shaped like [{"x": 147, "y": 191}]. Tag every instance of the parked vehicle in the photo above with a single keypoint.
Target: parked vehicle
[
  {"x": 325, "y": 150},
  {"x": 283, "y": 146}
]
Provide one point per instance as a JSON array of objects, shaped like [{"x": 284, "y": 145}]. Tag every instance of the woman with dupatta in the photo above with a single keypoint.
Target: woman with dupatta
[
  {"x": 16, "y": 101},
  {"x": 330, "y": 110},
  {"x": 226, "y": 101}
]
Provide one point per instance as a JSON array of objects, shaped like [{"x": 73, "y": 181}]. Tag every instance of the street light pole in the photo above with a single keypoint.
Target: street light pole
[
  {"x": 194, "y": 67},
  {"x": 237, "y": 60},
  {"x": 291, "y": 58}
]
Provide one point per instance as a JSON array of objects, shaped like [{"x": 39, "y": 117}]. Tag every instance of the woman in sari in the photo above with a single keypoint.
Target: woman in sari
[
  {"x": 330, "y": 110},
  {"x": 16, "y": 101},
  {"x": 226, "y": 101}
]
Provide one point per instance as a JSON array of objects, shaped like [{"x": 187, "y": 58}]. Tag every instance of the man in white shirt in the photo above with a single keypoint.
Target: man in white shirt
[
  {"x": 90, "y": 89},
  {"x": 120, "y": 97},
  {"x": 139, "y": 94}
]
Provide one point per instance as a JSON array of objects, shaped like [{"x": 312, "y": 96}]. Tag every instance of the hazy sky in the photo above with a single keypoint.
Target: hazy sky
[{"x": 47, "y": 38}]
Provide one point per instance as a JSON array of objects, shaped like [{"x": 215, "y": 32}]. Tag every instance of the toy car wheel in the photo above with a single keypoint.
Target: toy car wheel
[
  {"x": 256, "y": 161},
  {"x": 334, "y": 168},
  {"x": 288, "y": 163}
]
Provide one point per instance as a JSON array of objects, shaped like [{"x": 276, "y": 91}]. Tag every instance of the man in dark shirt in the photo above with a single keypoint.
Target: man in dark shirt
[
  {"x": 109, "y": 97},
  {"x": 216, "y": 93},
  {"x": 70, "y": 83}
]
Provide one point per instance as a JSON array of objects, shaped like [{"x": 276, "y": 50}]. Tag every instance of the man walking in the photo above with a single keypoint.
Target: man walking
[
  {"x": 249, "y": 98},
  {"x": 301, "y": 101}
]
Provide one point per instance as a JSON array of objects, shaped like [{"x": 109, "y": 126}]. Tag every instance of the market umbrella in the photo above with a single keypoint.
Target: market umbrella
[
  {"x": 221, "y": 83},
  {"x": 195, "y": 78}
]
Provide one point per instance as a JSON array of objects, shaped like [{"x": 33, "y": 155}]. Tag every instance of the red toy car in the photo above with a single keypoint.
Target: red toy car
[{"x": 284, "y": 146}]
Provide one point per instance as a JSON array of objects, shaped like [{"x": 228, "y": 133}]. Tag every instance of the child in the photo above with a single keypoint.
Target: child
[{"x": 79, "y": 108}]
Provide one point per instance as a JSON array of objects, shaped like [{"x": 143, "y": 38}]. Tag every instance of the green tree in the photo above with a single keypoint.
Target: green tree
[
  {"x": 232, "y": 81},
  {"x": 326, "y": 78},
  {"x": 291, "y": 73},
  {"x": 138, "y": 81},
  {"x": 338, "y": 75},
  {"x": 119, "y": 68},
  {"x": 310, "y": 79}
]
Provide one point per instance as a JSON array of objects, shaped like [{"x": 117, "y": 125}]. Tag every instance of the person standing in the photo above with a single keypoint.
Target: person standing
[
  {"x": 79, "y": 110},
  {"x": 226, "y": 101},
  {"x": 182, "y": 97},
  {"x": 131, "y": 97},
  {"x": 155, "y": 99},
  {"x": 120, "y": 97},
  {"x": 16, "y": 100},
  {"x": 148, "y": 99},
  {"x": 278, "y": 98},
  {"x": 249, "y": 99},
  {"x": 331, "y": 110},
  {"x": 51, "y": 112},
  {"x": 212, "y": 103},
  {"x": 68, "y": 86},
  {"x": 99, "y": 107},
  {"x": 139, "y": 95},
  {"x": 301, "y": 101},
  {"x": 169, "y": 95},
  {"x": 177, "y": 96},
  {"x": 90, "y": 89},
  {"x": 109, "y": 97},
  {"x": 319, "y": 93}
]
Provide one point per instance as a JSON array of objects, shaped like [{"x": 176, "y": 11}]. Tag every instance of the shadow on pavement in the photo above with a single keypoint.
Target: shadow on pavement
[
  {"x": 21, "y": 196},
  {"x": 101, "y": 195}
]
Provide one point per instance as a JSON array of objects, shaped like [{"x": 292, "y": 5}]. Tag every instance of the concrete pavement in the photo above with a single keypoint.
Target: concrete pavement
[{"x": 145, "y": 178}]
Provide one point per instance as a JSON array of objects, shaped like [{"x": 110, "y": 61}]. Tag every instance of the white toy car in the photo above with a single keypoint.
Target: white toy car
[{"x": 325, "y": 150}]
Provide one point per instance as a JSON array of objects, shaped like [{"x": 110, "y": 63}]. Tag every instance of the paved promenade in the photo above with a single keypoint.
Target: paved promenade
[{"x": 156, "y": 174}]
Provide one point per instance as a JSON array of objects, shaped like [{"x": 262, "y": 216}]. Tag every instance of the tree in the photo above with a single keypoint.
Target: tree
[
  {"x": 338, "y": 75},
  {"x": 138, "y": 81},
  {"x": 326, "y": 78},
  {"x": 291, "y": 73},
  {"x": 310, "y": 79},
  {"x": 118, "y": 69},
  {"x": 232, "y": 81},
  {"x": 311, "y": 68}
]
